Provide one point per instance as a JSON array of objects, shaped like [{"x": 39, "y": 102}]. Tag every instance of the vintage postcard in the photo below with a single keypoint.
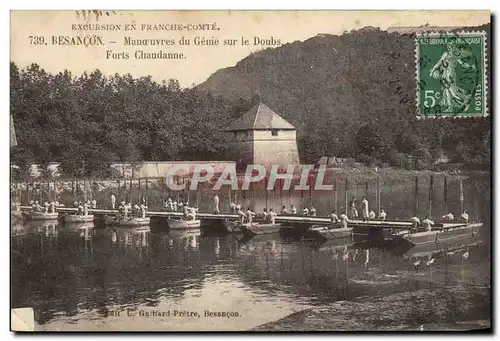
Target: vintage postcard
[{"x": 250, "y": 170}]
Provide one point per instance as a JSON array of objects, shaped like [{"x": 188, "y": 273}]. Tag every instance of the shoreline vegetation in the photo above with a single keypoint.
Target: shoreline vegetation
[{"x": 359, "y": 173}]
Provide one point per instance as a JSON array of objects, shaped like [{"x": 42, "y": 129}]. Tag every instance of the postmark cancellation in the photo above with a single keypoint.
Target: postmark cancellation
[{"x": 451, "y": 74}]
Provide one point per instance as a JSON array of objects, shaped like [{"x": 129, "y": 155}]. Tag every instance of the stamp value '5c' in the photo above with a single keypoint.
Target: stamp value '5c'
[{"x": 451, "y": 74}]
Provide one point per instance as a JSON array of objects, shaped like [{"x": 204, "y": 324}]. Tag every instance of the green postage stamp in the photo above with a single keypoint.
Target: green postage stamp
[{"x": 451, "y": 74}]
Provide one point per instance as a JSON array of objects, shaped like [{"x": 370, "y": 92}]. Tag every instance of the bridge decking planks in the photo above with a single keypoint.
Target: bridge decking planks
[{"x": 222, "y": 216}]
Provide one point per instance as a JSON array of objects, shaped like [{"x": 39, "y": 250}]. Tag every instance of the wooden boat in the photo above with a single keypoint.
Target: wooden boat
[
  {"x": 111, "y": 220},
  {"x": 76, "y": 218},
  {"x": 378, "y": 231},
  {"x": 134, "y": 221},
  {"x": 328, "y": 232},
  {"x": 447, "y": 233},
  {"x": 257, "y": 228},
  {"x": 232, "y": 226},
  {"x": 43, "y": 216},
  {"x": 182, "y": 224}
]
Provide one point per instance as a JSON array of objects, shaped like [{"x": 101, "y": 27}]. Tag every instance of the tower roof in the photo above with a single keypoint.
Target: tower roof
[{"x": 260, "y": 117}]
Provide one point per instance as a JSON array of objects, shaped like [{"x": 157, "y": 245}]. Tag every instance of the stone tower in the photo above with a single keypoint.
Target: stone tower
[{"x": 262, "y": 137}]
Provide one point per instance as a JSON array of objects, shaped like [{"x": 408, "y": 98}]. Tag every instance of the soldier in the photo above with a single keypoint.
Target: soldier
[
  {"x": 364, "y": 209},
  {"x": 344, "y": 219},
  {"x": 242, "y": 215},
  {"x": 272, "y": 216},
  {"x": 250, "y": 215},
  {"x": 216, "y": 204},
  {"x": 353, "y": 209},
  {"x": 448, "y": 216},
  {"x": 465, "y": 216},
  {"x": 113, "y": 201},
  {"x": 427, "y": 224},
  {"x": 334, "y": 218},
  {"x": 284, "y": 211},
  {"x": 264, "y": 215},
  {"x": 415, "y": 222}
]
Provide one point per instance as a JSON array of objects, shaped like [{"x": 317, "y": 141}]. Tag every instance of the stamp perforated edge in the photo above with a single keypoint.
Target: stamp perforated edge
[{"x": 485, "y": 73}]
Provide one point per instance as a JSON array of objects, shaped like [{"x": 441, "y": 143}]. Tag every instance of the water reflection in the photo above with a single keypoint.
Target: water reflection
[
  {"x": 129, "y": 236},
  {"x": 17, "y": 229},
  {"x": 78, "y": 272}
]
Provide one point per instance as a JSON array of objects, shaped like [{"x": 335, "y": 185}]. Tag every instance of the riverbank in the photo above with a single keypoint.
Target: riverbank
[
  {"x": 389, "y": 180},
  {"x": 425, "y": 309},
  {"x": 397, "y": 175}
]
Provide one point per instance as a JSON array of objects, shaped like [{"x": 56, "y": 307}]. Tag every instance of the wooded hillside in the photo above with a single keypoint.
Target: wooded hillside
[{"x": 349, "y": 96}]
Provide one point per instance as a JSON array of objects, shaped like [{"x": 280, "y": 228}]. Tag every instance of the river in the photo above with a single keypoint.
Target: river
[{"x": 87, "y": 277}]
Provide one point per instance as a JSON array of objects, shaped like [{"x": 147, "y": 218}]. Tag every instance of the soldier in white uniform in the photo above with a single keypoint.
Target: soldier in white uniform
[
  {"x": 334, "y": 217},
  {"x": 113, "y": 201},
  {"x": 272, "y": 216},
  {"x": 250, "y": 215},
  {"x": 216, "y": 204},
  {"x": 427, "y": 224}
]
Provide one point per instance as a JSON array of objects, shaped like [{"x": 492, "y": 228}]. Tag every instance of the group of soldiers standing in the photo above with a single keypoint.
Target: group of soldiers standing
[
  {"x": 366, "y": 212},
  {"x": 46, "y": 208},
  {"x": 127, "y": 210},
  {"x": 426, "y": 224},
  {"x": 83, "y": 207}
]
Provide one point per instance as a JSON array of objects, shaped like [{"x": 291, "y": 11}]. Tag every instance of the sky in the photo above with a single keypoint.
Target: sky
[{"x": 200, "y": 61}]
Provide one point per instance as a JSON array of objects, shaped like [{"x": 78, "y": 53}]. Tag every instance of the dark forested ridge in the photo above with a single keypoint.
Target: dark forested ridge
[
  {"x": 349, "y": 96},
  {"x": 354, "y": 95}
]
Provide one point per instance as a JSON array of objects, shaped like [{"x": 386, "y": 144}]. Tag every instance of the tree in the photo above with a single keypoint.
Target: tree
[
  {"x": 348, "y": 96},
  {"x": 371, "y": 141}
]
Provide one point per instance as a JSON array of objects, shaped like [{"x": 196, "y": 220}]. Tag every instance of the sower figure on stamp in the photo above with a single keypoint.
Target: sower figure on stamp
[{"x": 453, "y": 97}]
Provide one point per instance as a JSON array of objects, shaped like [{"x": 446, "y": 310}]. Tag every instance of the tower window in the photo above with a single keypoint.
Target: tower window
[{"x": 274, "y": 132}]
